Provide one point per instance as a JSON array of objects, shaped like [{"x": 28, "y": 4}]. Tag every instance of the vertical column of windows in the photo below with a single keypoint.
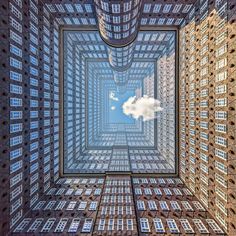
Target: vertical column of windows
[
  {"x": 68, "y": 101},
  {"x": 47, "y": 89},
  {"x": 34, "y": 84},
  {"x": 55, "y": 94},
  {"x": 204, "y": 102},
  {"x": 221, "y": 106},
  {"x": 83, "y": 104},
  {"x": 210, "y": 139},
  {"x": 230, "y": 151},
  {"x": 16, "y": 110},
  {"x": 78, "y": 89},
  {"x": 183, "y": 119},
  {"x": 166, "y": 95}
]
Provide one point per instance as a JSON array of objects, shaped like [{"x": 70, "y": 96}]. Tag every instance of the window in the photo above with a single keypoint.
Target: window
[
  {"x": 204, "y": 114},
  {"x": 15, "y": 12},
  {"x": 204, "y": 135},
  {"x": 50, "y": 205},
  {"x": 97, "y": 192},
  {"x": 214, "y": 226},
  {"x": 152, "y": 181},
  {"x": 221, "y": 167},
  {"x": 147, "y": 191},
  {"x": 187, "y": 206},
  {"x": 39, "y": 205},
  {"x": 221, "y": 141},
  {"x": 71, "y": 206},
  {"x": 15, "y": 192},
  {"x": 35, "y": 225},
  {"x": 220, "y": 128},
  {"x": 48, "y": 225},
  {"x": 15, "y": 37},
  {"x": 157, "y": 191},
  {"x": 15, "y": 179},
  {"x": 221, "y": 76},
  {"x": 187, "y": 192},
  {"x": 119, "y": 224},
  {"x": 15, "y": 166},
  {"x": 164, "y": 206},
  {"x": 220, "y": 39},
  {"x": 87, "y": 225},
  {"x": 200, "y": 226},
  {"x": 221, "y": 154},
  {"x": 22, "y": 225},
  {"x": 60, "y": 205},
  {"x": 78, "y": 192},
  {"x": 221, "y": 115},
  {"x": 88, "y": 192},
  {"x": 15, "y": 50},
  {"x": 101, "y": 225},
  {"x": 112, "y": 210},
  {"x": 221, "y": 102},
  {"x": 15, "y": 89},
  {"x": 159, "y": 228},
  {"x": 152, "y": 205},
  {"x": 110, "y": 225},
  {"x": 186, "y": 226},
  {"x": 141, "y": 205},
  {"x": 129, "y": 224},
  {"x": 115, "y": 8},
  {"x": 74, "y": 225},
  {"x": 177, "y": 192},
  {"x": 60, "y": 191},
  {"x": 167, "y": 191},
  {"x": 198, "y": 206},
  {"x": 93, "y": 206},
  {"x": 15, "y": 24},
  {"x": 221, "y": 89},
  {"x": 144, "y": 225},
  {"x": 204, "y": 146},
  {"x": 221, "y": 193},
  {"x": 172, "y": 226},
  {"x": 15, "y": 76},
  {"x": 175, "y": 206},
  {"x": 220, "y": 179},
  {"x": 204, "y": 157},
  {"x": 61, "y": 225},
  {"x": 82, "y": 206},
  {"x": 15, "y": 63},
  {"x": 69, "y": 191},
  {"x": 15, "y": 102},
  {"x": 104, "y": 210},
  {"x": 138, "y": 191},
  {"x": 15, "y": 128}
]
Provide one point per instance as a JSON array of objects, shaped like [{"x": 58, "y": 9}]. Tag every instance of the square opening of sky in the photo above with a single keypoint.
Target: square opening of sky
[{"x": 97, "y": 136}]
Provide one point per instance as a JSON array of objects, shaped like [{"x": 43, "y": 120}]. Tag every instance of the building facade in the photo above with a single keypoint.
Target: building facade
[{"x": 66, "y": 169}]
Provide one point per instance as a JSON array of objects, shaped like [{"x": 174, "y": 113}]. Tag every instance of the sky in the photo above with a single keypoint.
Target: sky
[{"x": 116, "y": 101}]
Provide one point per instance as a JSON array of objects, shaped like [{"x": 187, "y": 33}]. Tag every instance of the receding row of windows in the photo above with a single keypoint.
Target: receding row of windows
[
  {"x": 157, "y": 181},
  {"x": 77, "y": 192},
  {"x": 167, "y": 206},
  {"x": 160, "y": 191},
  {"x": 25, "y": 225},
  {"x": 173, "y": 227},
  {"x": 15, "y": 115},
  {"x": 54, "y": 205},
  {"x": 115, "y": 224}
]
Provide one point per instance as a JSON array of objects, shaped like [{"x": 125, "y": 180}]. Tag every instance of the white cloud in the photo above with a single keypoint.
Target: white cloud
[
  {"x": 145, "y": 107},
  {"x": 113, "y": 108},
  {"x": 112, "y": 96}
]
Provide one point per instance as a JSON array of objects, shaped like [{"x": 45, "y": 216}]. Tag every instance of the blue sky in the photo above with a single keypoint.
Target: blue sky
[{"x": 117, "y": 115}]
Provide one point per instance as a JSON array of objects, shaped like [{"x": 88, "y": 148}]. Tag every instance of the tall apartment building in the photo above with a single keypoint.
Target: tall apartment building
[{"x": 66, "y": 168}]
